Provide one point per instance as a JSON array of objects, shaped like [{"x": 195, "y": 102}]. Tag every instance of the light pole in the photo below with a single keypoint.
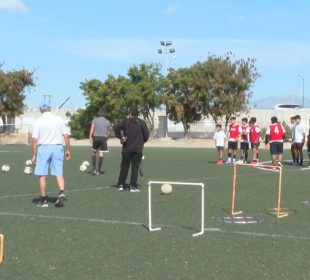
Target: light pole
[
  {"x": 167, "y": 52},
  {"x": 303, "y": 90}
]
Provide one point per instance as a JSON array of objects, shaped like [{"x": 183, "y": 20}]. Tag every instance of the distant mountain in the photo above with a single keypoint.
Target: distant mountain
[{"x": 270, "y": 102}]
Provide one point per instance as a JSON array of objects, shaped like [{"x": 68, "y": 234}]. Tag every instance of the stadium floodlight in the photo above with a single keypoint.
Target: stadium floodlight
[
  {"x": 151, "y": 183},
  {"x": 167, "y": 52},
  {"x": 303, "y": 89}
]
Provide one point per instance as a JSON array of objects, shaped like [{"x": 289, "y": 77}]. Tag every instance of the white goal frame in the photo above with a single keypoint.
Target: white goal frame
[{"x": 150, "y": 183}]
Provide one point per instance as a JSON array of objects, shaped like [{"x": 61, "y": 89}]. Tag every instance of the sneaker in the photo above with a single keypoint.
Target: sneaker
[
  {"x": 254, "y": 162},
  {"x": 42, "y": 203},
  {"x": 240, "y": 161},
  {"x": 120, "y": 187},
  {"x": 234, "y": 160},
  {"x": 228, "y": 161},
  {"x": 219, "y": 162},
  {"x": 94, "y": 172},
  {"x": 134, "y": 189},
  {"x": 60, "y": 200}
]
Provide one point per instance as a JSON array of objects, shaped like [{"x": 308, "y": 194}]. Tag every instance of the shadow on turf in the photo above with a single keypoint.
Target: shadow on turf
[{"x": 49, "y": 199}]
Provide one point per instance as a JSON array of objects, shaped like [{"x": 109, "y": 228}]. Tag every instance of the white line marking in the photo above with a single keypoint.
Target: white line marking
[
  {"x": 49, "y": 193},
  {"x": 104, "y": 221},
  {"x": 256, "y": 234}
]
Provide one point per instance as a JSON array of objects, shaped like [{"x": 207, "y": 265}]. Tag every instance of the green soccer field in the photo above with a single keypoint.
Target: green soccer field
[{"x": 102, "y": 233}]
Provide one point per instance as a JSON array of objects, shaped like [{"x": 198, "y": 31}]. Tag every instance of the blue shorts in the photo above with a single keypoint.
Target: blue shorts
[{"x": 49, "y": 157}]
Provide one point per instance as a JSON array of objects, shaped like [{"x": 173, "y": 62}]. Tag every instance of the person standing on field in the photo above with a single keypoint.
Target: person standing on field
[
  {"x": 48, "y": 152},
  {"x": 299, "y": 141},
  {"x": 275, "y": 135},
  {"x": 232, "y": 135},
  {"x": 98, "y": 136},
  {"x": 133, "y": 133},
  {"x": 254, "y": 139},
  {"x": 219, "y": 139},
  {"x": 244, "y": 141}
]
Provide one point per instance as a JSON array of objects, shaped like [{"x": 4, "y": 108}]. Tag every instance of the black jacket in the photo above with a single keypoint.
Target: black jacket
[{"x": 136, "y": 132}]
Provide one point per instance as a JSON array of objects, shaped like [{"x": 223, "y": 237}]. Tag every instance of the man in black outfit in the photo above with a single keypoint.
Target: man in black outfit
[{"x": 133, "y": 133}]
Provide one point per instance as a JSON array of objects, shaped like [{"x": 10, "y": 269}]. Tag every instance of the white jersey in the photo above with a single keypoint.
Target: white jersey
[
  {"x": 49, "y": 129},
  {"x": 219, "y": 137},
  {"x": 299, "y": 133}
]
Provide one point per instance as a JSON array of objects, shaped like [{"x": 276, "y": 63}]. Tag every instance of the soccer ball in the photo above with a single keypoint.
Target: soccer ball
[
  {"x": 5, "y": 168},
  {"x": 86, "y": 163},
  {"x": 28, "y": 170},
  {"x": 83, "y": 168},
  {"x": 29, "y": 162},
  {"x": 166, "y": 188}
]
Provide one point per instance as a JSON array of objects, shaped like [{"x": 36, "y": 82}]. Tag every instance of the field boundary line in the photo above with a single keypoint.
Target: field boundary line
[
  {"x": 257, "y": 234},
  {"x": 105, "y": 221},
  {"x": 50, "y": 193}
]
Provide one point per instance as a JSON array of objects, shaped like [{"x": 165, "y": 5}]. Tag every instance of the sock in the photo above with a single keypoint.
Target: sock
[
  {"x": 100, "y": 163},
  {"x": 94, "y": 160},
  {"x": 43, "y": 198}
]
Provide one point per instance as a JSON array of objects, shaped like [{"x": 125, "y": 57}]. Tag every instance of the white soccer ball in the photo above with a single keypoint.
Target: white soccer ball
[
  {"x": 29, "y": 162},
  {"x": 5, "y": 168},
  {"x": 86, "y": 163},
  {"x": 83, "y": 168},
  {"x": 28, "y": 170},
  {"x": 166, "y": 188}
]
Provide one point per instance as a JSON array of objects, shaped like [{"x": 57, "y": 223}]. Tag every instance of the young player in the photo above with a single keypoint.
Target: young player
[
  {"x": 219, "y": 139},
  {"x": 244, "y": 140},
  {"x": 299, "y": 140},
  {"x": 275, "y": 137},
  {"x": 232, "y": 135},
  {"x": 254, "y": 139},
  {"x": 293, "y": 122}
]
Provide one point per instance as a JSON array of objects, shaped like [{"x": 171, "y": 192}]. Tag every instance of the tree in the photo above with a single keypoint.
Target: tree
[
  {"x": 12, "y": 95},
  {"x": 146, "y": 90},
  {"x": 183, "y": 100},
  {"x": 225, "y": 85}
]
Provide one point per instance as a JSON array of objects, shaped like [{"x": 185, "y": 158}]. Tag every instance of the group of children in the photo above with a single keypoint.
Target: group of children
[{"x": 249, "y": 134}]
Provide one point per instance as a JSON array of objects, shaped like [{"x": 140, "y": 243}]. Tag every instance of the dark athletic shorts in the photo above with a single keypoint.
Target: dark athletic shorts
[
  {"x": 298, "y": 146},
  {"x": 244, "y": 146},
  {"x": 233, "y": 145},
  {"x": 220, "y": 148},
  {"x": 276, "y": 148},
  {"x": 100, "y": 144},
  {"x": 255, "y": 145}
]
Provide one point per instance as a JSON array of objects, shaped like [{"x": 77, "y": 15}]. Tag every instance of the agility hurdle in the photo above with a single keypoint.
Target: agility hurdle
[
  {"x": 150, "y": 183},
  {"x": 278, "y": 211},
  {"x": 1, "y": 247}
]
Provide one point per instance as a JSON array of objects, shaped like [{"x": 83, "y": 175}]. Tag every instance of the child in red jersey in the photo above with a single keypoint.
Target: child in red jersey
[
  {"x": 244, "y": 130},
  {"x": 232, "y": 135},
  {"x": 254, "y": 139}
]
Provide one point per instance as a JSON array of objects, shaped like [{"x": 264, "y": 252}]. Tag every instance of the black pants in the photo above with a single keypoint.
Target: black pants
[{"x": 133, "y": 158}]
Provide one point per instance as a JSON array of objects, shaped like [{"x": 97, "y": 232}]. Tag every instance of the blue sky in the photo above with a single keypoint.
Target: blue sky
[{"x": 68, "y": 42}]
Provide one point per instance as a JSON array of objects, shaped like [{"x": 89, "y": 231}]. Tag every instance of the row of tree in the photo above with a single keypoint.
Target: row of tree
[
  {"x": 218, "y": 88},
  {"x": 12, "y": 95}
]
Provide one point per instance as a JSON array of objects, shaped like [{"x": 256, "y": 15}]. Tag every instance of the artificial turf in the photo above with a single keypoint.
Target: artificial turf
[{"x": 101, "y": 233}]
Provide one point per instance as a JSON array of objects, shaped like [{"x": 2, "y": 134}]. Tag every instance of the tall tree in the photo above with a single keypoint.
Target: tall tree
[
  {"x": 182, "y": 98},
  {"x": 12, "y": 95},
  {"x": 225, "y": 85},
  {"x": 146, "y": 90}
]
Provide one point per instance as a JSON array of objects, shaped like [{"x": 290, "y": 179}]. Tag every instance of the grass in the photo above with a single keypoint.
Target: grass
[{"x": 101, "y": 233}]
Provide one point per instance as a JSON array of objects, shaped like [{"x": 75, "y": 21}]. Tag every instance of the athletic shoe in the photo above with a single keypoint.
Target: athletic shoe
[
  {"x": 42, "y": 203},
  {"x": 228, "y": 161},
  {"x": 240, "y": 161},
  {"x": 94, "y": 172},
  {"x": 120, "y": 187},
  {"x": 60, "y": 200},
  {"x": 253, "y": 162},
  {"x": 234, "y": 160},
  {"x": 219, "y": 162},
  {"x": 134, "y": 189}
]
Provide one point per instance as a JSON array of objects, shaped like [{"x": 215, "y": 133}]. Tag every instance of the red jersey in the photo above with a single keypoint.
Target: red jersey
[
  {"x": 245, "y": 130},
  {"x": 254, "y": 134},
  {"x": 276, "y": 132},
  {"x": 233, "y": 132}
]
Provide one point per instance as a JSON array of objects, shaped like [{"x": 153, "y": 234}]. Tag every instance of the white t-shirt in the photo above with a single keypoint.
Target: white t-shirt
[
  {"x": 49, "y": 129},
  {"x": 299, "y": 133},
  {"x": 219, "y": 137}
]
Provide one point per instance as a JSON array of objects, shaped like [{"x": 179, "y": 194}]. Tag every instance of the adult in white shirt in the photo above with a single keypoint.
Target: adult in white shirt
[
  {"x": 48, "y": 152},
  {"x": 299, "y": 140}
]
